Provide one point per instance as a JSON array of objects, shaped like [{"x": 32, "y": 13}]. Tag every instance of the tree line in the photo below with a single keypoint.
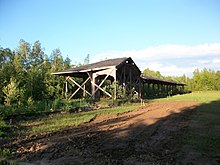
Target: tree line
[
  {"x": 202, "y": 80},
  {"x": 26, "y": 75}
]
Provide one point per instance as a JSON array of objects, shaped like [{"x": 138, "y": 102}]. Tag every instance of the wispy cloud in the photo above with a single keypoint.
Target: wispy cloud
[
  {"x": 160, "y": 57},
  {"x": 171, "y": 69},
  {"x": 167, "y": 51}
]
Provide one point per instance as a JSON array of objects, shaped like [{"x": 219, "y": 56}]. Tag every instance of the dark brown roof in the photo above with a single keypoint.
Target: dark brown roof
[
  {"x": 94, "y": 66},
  {"x": 157, "y": 80}
]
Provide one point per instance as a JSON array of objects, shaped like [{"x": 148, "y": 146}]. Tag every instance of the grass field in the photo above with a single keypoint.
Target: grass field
[
  {"x": 200, "y": 96},
  {"x": 203, "y": 136},
  {"x": 59, "y": 121}
]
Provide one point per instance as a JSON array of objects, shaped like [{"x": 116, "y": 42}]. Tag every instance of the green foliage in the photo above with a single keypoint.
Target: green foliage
[
  {"x": 25, "y": 109},
  {"x": 86, "y": 60},
  {"x": 5, "y": 156},
  {"x": 12, "y": 92},
  {"x": 204, "y": 80},
  {"x": 5, "y": 153},
  {"x": 3, "y": 127},
  {"x": 26, "y": 77},
  {"x": 123, "y": 101},
  {"x": 70, "y": 105},
  {"x": 110, "y": 88},
  {"x": 151, "y": 73},
  {"x": 27, "y": 85}
]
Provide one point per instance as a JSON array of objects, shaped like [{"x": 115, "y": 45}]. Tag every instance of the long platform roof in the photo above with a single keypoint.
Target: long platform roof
[
  {"x": 148, "y": 79},
  {"x": 101, "y": 65},
  {"x": 81, "y": 71}
]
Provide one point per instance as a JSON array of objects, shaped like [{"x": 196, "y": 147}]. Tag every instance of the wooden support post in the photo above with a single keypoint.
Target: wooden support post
[
  {"x": 148, "y": 89},
  {"x": 130, "y": 80},
  {"x": 124, "y": 85},
  {"x": 173, "y": 90},
  {"x": 158, "y": 89},
  {"x": 154, "y": 90},
  {"x": 80, "y": 87},
  {"x": 66, "y": 87},
  {"x": 163, "y": 90},
  {"x": 167, "y": 89},
  {"x": 104, "y": 80},
  {"x": 94, "y": 85},
  {"x": 92, "y": 80},
  {"x": 84, "y": 89},
  {"x": 140, "y": 88}
]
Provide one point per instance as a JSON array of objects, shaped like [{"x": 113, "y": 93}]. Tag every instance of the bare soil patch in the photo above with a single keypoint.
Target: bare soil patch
[{"x": 149, "y": 135}]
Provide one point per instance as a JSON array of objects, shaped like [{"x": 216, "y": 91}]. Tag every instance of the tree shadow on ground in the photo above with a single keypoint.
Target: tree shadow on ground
[{"x": 125, "y": 139}]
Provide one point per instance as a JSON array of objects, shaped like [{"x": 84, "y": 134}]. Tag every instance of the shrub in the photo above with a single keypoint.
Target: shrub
[{"x": 3, "y": 127}]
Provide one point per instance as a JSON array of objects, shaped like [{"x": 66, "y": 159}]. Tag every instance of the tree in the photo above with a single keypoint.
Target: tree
[
  {"x": 36, "y": 73},
  {"x": 86, "y": 60},
  {"x": 205, "y": 79},
  {"x": 54, "y": 84},
  {"x": 6, "y": 69},
  {"x": 12, "y": 92},
  {"x": 151, "y": 73}
]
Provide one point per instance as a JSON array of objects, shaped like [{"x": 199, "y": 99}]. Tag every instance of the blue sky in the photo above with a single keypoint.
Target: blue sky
[{"x": 171, "y": 36}]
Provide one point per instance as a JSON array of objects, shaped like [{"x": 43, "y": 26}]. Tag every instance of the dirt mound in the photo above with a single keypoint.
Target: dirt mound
[{"x": 149, "y": 135}]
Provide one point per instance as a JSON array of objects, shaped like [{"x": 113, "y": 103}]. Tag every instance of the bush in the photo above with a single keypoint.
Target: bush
[
  {"x": 3, "y": 127},
  {"x": 120, "y": 102},
  {"x": 30, "y": 108},
  {"x": 57, "y": 104}
]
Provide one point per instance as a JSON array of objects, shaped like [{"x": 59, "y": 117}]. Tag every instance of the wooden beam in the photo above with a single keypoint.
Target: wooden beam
[
  {"x": 104, "y": 80},
  {"x": 66, "y": 87},
  {"x": 94, "y": 84},
  {"x": 80, "y": 87}
]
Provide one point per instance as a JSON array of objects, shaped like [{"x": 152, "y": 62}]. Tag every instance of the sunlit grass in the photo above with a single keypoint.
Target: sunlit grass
[
  {"x": 59, "y": 121},
  {"x": 205, "y": 136},
  {"x": 200, "y": 96},
  {"x": 203, "y": 133}
]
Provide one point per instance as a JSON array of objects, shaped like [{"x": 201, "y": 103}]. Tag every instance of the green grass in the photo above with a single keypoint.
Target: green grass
[
  {"x": 203, "y": 135},
  {"x": 200, "y": 96},
  {"x": 56, "y": 122}
]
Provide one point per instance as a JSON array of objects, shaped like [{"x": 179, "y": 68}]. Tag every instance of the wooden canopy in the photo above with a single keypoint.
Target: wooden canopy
[
  {"x": 125, "y": 75},
  {"x": 148, "y": 79},
  {"x": 121, "y": 71},
  {"x": 155, "y": 87},
  {"x": 81, "y": 71}
]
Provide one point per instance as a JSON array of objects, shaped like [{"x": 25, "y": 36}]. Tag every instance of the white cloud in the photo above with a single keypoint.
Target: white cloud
[
  {"x": 165, "y": 52},
  {"x": 160, "y": 58},
  {"x": 203, "y": 62},
  {"x": 216, "y": 61},
  {"x": 171, "y": 69}
]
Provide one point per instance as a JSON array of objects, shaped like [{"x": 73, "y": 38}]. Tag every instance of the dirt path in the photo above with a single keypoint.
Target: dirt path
[{"x": 149, "y": 135}]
